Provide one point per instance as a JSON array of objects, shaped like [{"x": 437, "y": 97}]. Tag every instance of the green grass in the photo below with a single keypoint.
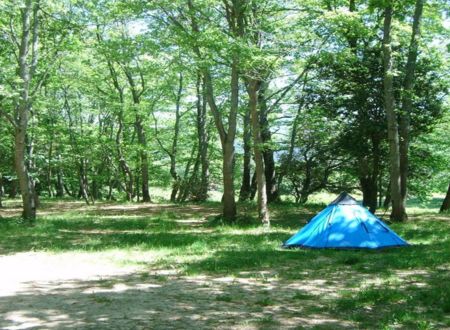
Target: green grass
[{"x": 405, "y": 288}]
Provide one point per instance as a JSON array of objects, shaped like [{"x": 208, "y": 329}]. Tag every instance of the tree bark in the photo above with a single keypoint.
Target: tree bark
[
  {"x": 59, "y": 180},
  {"x": 446, "y": 203},
  {"x": 245, "y": 192},
  {"x": 263, "y": 212},
  {"x": 398, "y": 208},
  {"x": 229, "y": 203},
  {"x": 144, "y": 160},
  {"x": 49, "y": 169},
  {"x": 407, "y": 99},
  {"x": 227, "y": 136},
  {"x": 268, "y": 155},
  {"x": 203, "y": 139},
  {"x": 23, "y": 109},
  {"x": 173, "y": 153},
  {"x": 83, "y": 182},
  {"x": 2, "y": 190},
  {"x": 226, "y": 139}
]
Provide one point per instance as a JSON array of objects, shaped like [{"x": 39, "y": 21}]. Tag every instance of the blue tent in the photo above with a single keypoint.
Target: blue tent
[{"x": 345, "y": 224}]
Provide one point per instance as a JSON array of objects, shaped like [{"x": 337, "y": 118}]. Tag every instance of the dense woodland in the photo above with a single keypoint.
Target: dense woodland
[{"x": 260, "y": 100}]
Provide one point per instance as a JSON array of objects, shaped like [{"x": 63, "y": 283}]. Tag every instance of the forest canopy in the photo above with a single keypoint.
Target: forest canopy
[{"x": 252, "y": 100}]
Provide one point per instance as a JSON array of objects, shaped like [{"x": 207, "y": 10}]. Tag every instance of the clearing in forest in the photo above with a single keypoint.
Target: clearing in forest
[{"x": 165, "y": 266}]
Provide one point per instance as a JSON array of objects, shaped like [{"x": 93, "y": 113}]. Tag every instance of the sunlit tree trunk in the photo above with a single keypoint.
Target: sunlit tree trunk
[
  {"x": 203, "y": 139},
  {"x": 263, "y": 212},
  {"x": 227, "y": 136},
  {"x": 27, "y": 66},
  {"x": 398, "y": 207},
  {"x": 407, "y": 99},
  {"x": 173, "y": 153}
]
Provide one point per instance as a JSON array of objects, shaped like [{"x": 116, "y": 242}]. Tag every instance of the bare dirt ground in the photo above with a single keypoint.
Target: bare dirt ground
[
  {"x": 91, "y": 290},
  {"x": 45, "y": 291}
]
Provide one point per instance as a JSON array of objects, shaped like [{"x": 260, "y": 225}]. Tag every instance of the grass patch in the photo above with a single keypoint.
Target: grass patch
[{"x": 396, "y": 288}]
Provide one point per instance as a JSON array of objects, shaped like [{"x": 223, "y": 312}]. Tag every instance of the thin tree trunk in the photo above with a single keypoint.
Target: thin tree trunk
[
  {"x": 263, "y": 212},
  {"x": 203, "y": 140},
  {"x": 144, "y": 165},
  {"x": 83, "y": 182},
  {"x": 143, "y": 159},
  {"x": 59, "y": 179},
  {"x": 49, "y": 169},
  {"x": 398, "y": 208},
  {"x": 407, "y": 99},
  {"x": 122, "y": 161},
  {"x": 266, "y": 138},
  {"x": 253, "y": 187},
  {"x": 173, "y": 153},
  {"x": 387, "y": 196},
  {"x": 245, "y": 192},
  {"x": 23, "y": 109},
  {"x": 186, "y": 183},
  {"x": 2, "y": 191},
  {"x": 446, "y": 203}
]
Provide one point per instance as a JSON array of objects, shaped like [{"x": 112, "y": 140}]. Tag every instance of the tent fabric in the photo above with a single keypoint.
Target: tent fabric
[
  {"x": 344, "y": 199},
  {"x": 345, "y": 224}
]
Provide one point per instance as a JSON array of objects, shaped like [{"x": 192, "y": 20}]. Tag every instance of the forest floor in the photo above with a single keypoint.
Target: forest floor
[{"x": 165, "y": 266}]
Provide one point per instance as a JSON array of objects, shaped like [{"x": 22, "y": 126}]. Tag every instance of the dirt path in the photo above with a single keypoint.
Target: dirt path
[{"x": 82, "y": 291}]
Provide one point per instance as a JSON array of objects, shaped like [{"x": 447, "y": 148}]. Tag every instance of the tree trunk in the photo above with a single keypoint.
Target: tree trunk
[
  {"x": 227, "y": 141},
  {"x": 25, "y": 182},
  {"x": 369, "y": 190},
  {"x": 83, "y": 182},
  {"x": 263, "y": 212},
  {"x": 253, "y": 187},
  {"x": 49, "y": 170},
  {"x": 173, "y": 153},
  {"x": 407, "y": 99},
  {"x": 398, "y": 208},
  {"x": 2, "y": 191},
  {"x": 144, "y": 159},
  {"x": 446, "y": 203},
  {"x": 245, "y": 192},
  {"x": 122, "y": 161},
  {"x": 227, "y": 137},
  {"x": 136, "y": 97},
  {"x": 266, "y": 137},
  {"x": 59, "y": 180},
  {"x": 185, "y": 183},
  {"x": 203, "y": 140},
  {"x": 22, "y": 111},
  {"x": 369, "y": 176},
  {"x": 387, "y": 197}
]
